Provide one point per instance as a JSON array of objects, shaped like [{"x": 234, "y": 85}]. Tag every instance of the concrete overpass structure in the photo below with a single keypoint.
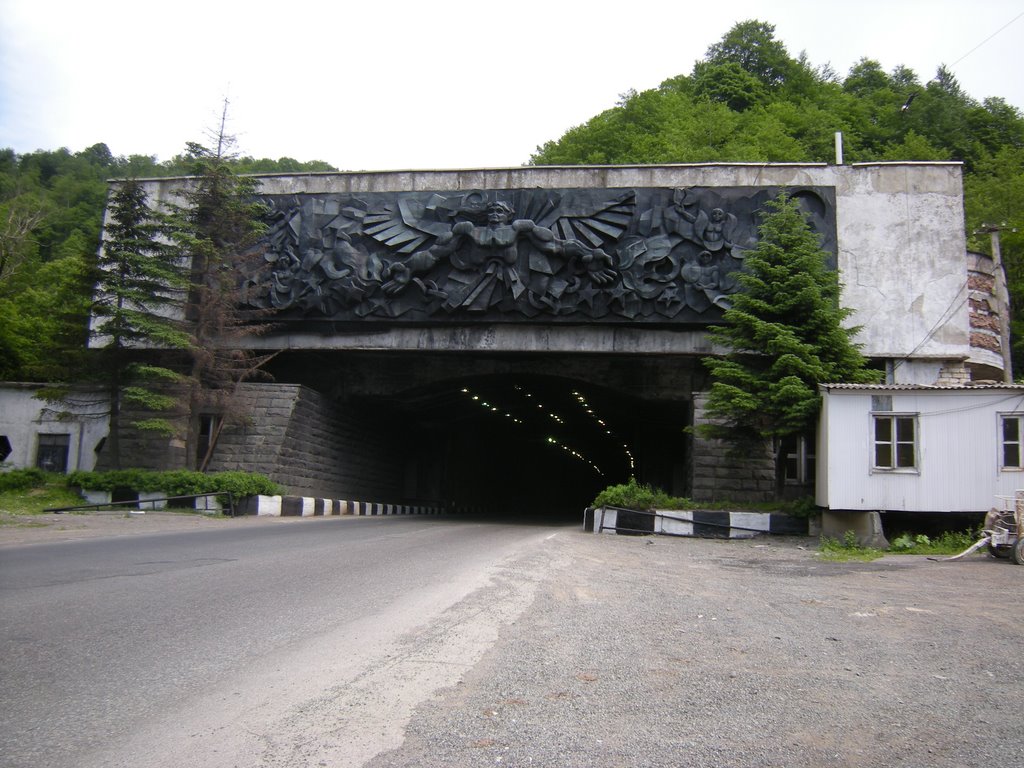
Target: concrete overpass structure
[{"x": 530, "y": 335}]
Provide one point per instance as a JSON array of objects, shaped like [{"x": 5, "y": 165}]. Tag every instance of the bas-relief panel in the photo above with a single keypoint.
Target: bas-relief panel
[{"x": 642, "y": 255}]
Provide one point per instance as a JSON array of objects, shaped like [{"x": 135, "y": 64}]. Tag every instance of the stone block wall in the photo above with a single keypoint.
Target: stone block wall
[
  {"x": 720, "y": 476},
  {"x": 312, "y": 445},
  {"x": 145, "y": 449}
]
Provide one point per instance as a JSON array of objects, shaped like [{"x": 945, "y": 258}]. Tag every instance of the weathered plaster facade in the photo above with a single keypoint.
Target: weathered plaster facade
[
  {"x": 38, "y": 434},
  {"x": 901, "y": 258}
]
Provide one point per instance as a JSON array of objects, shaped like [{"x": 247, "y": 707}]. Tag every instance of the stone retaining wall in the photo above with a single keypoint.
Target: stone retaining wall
[
  {"x": 311, "y": 445},
  {"x": 719, "y": 475}
]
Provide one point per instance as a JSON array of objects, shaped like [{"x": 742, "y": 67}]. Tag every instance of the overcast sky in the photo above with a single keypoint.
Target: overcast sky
[{"x": 390, "y": 84}]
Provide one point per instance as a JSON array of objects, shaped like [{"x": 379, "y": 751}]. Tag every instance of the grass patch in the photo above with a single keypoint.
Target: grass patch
[
  {"x": 847, "y": 550},
  {"x": 9, "y": 521},
  {"x": 32, "y": 501},
  {"x": 947, "y": 543}
]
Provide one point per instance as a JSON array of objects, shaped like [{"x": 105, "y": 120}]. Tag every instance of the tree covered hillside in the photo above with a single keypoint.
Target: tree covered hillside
[
  {"x": 51, "y": 213},
  {"x": 749, "y": 100}
]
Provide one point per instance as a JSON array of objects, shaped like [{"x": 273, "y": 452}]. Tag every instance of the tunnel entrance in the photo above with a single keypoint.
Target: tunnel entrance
[
  {"x": 538, "y": 446},
  {"x": 514, "y": 435}
]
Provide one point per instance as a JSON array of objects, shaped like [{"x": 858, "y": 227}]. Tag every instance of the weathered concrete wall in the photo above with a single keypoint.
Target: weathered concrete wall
[
  {"x": 23, "y": 418},
  {"x": 901, "y": 258},
  {"x": 311, "y": 445}
]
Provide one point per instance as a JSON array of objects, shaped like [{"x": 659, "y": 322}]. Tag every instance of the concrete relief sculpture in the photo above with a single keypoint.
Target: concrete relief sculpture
[{"x": 581, "y": 255}]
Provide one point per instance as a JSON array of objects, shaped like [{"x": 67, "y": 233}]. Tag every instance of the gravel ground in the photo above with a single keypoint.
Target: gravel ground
[{"x": 670, "y": 652}]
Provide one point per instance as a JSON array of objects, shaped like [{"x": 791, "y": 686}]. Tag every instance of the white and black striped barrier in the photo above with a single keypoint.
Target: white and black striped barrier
[
  {"x": 700, "y": 523},
  {"x": 306, "y": 506}
]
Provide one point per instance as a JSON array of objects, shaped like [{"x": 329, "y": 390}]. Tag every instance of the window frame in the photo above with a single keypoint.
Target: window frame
[
  {"x": 894, "y": 442},
  {"x": 47, "y": 444},
  {"x": 803, "y": 457},
  {"x": 1002, "y": 442}
]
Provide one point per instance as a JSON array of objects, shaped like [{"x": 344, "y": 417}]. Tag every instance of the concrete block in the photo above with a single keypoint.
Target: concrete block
[
  {"x": 152, "y": 500},
  {"x": 866, "y": 526}
]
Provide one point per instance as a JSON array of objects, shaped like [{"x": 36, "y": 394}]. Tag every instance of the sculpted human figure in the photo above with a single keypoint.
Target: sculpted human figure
[
  {"x": 702, "y": 282},
  {"x": 484, "y": 259}
]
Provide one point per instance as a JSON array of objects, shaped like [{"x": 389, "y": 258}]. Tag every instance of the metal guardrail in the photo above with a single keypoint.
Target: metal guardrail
[{"x": 138, "y": 503}]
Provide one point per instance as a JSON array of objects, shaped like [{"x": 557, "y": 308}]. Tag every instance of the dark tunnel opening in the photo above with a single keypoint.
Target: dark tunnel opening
[{"x": 535, "y": 446}]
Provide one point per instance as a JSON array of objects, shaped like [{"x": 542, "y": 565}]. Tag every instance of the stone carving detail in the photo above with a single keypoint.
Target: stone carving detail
[{"x": 572, "y": 255}]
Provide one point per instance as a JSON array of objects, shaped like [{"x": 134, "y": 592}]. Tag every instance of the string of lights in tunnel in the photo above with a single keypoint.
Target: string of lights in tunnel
[
  {"x": 601, "y": 423},
  {"x": 551, "y": 439}
]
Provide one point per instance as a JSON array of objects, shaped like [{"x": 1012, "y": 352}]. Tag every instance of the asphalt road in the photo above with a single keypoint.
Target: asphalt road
[
  {"x": 206, "y": 648},
  {"x": 389, "y": 643}
]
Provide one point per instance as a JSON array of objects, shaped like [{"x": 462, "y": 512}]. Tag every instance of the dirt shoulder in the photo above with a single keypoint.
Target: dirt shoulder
[
  {"x": 25, "y": 530},
  {"x": 670, "y": 652}
]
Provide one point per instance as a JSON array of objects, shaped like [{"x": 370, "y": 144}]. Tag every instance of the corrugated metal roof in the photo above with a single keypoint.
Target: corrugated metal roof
[{"x": 970, "y": 387}]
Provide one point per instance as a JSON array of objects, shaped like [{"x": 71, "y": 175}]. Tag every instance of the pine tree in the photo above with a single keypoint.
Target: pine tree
[
  {"x": 138, "y": 298},
  {"x": 217, "y": 231},
  {"x": 785, "y": 335}
]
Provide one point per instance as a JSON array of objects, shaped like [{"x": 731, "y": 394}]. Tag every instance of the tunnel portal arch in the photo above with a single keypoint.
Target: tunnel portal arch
[
  {"x": 521, "y": 442},
  {"x": 504, "y": 433}
]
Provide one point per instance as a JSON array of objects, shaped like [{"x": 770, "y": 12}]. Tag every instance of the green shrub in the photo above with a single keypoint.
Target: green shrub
[
  {"x": 906, "y": 542},
  {"x": 20, "y": 479},
  {"x": 804, "y": 507},
  {"x": 947, "y": 543},
  {"x": 177, "y": 482},
  {"x": 633, "y": 495}
]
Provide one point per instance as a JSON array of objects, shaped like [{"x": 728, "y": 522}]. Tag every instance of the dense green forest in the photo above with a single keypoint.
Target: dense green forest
[
  {"x": 51, "y": 213},
  {"x": 747, "y": 100}
]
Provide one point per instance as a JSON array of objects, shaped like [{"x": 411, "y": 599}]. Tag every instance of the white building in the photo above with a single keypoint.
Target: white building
[
  {"x": 58, "y": 439},
  {"x": 919, "y": 448}
]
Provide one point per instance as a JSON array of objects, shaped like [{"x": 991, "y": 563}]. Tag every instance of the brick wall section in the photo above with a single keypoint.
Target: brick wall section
[
  {"x": 718, "y": 476},
  {"x": 313, "y": 446},
  {"x": 984, "y": 304}
]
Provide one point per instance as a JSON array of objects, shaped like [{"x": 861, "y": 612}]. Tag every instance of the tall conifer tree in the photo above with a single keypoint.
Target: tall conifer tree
[
  {"x": 138, "y": 298},
  {"x": 785, "y": 335},
  {"x": 217, "y": 231}
]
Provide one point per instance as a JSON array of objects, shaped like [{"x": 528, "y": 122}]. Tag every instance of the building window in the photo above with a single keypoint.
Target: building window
[
  {"x": 52, "y": 454},
  {"x": 1011, "y": 441},
  {"x": 204, "y": 436},
  {"x": 798, "y": 452},
  {"x": 895, "y": 441}
]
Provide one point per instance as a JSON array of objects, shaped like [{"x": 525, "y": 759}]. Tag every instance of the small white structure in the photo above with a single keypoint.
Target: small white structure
[
  {"x": 918, "y": 447},
  {"x": 55, "y": 438}
]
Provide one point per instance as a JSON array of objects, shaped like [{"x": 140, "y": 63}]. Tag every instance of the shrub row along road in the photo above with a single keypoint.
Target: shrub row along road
[{"x": 415, "y": 642}]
